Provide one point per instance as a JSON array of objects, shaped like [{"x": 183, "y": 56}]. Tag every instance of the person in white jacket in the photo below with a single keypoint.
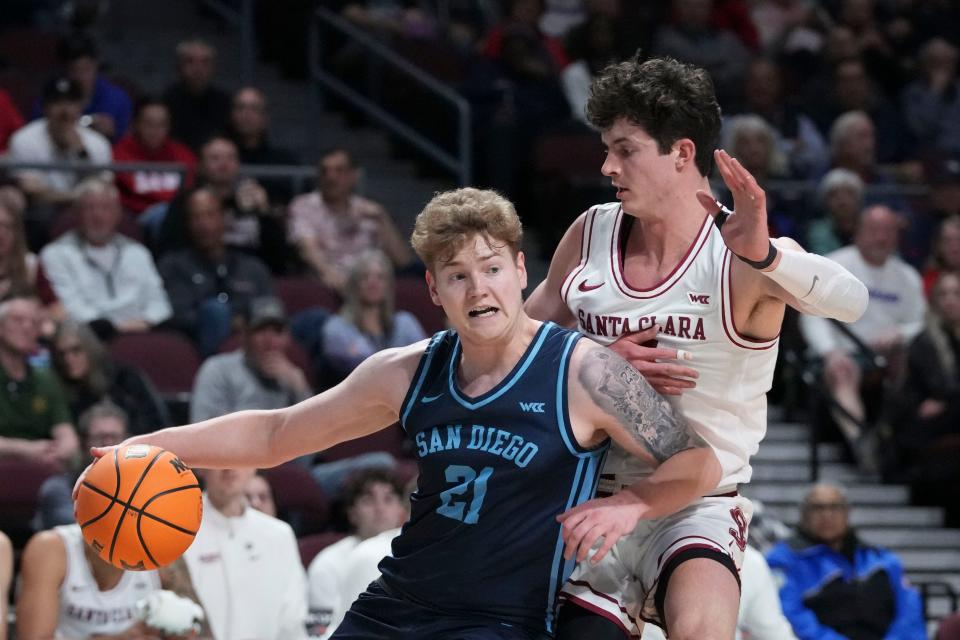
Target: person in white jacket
[{"x": 245, "y": 566}]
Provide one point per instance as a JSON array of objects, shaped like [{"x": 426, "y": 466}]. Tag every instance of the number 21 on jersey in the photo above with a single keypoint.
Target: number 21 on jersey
[{"x": 465, "y": 477}]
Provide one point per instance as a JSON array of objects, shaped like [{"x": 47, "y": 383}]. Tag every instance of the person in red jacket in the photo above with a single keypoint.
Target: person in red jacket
[
  {"x": 149, "y": 141},
  {"x": 10, "y": 119}
]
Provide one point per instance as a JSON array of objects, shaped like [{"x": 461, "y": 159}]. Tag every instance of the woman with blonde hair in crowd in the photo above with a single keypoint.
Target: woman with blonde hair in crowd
[
  {"x": 932, "y": 387},
  {"x": 367, "y": 321},
  {"x": 88, "y": 376},
  {"x": 755, "y": 144},
  {"x": 18, "y": 267}
]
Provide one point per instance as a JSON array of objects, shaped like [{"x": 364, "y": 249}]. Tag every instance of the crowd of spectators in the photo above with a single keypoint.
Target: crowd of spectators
[{"x": 846, "y": 111}]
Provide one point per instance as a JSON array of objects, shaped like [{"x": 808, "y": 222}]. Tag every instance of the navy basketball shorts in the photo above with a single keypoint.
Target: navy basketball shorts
[{"x": 378, "y": 615}]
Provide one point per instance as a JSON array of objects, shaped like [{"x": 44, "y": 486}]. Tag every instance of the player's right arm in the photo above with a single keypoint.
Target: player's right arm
[
  {"x": 367, "y": 401},
  {"x": 610, "y": 398},
  {"x": 42, "y": 571},
  {"x": 546, "y": 302}
]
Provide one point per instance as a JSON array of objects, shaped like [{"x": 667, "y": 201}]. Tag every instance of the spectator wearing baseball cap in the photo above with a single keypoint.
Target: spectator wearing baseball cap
[
  {"x": 57, "y": 137},
  {"x": 108, "y": 106},
  {"x": 258, "y": 375}
]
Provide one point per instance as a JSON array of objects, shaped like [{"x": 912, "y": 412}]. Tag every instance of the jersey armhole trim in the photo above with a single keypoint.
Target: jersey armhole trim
[
  {"x": 422, "y": 369},
  {"x": 563, "y": 405},
  {"x": 586, "y": 238},
  {"x": 726, "y": 311}
]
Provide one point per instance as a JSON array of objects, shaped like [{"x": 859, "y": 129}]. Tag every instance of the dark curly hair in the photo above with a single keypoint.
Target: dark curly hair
[{"x": 670, "y": 100}]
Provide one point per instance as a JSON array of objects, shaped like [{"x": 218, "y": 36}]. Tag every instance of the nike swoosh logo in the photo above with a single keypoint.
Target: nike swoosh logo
[
  {"x": 589, "y": 287},
  {"x": 429, "y": 399},
  {"x": 812, "y": 285}
]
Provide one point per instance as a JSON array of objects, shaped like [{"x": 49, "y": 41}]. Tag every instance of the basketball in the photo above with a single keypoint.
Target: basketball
[{"x": 139, "y": 507}]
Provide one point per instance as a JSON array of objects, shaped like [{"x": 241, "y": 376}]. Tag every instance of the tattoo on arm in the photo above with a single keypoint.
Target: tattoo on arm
[
  {"x": 620, "y": 390},
  {"x": 176, "y": 577}
]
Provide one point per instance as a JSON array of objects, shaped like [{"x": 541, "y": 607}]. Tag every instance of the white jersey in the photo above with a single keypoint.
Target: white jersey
[
  {"x": 85, "y": 610},
  {"x": 692, "y": 305}
]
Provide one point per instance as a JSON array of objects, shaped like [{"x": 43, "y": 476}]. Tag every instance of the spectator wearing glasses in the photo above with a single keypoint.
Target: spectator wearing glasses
[
  {"x": 89, "y": 377},
  {"x": 836, "y": 586}
]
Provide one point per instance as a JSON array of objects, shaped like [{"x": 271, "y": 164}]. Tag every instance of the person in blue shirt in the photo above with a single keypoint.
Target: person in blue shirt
[
  {"x": 834, "y": 586},
  {"x": 107, "y": 107},
  {"x": 510, "y": 419}
]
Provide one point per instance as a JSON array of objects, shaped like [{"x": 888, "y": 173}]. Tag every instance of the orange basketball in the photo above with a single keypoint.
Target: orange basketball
[{"x": 139, "y": 507}]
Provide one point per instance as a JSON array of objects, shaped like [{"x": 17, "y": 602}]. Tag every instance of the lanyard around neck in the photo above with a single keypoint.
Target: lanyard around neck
[{"x": 107, "y": 274}]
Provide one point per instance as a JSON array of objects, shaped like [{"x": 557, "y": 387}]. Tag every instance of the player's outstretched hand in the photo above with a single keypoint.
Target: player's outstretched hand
[
  {"x": 609, "y": 518},
  {"x": 745, "y": 232},
  {"x": 96, "y": 453},
  {"x": 666, "y": 378}
]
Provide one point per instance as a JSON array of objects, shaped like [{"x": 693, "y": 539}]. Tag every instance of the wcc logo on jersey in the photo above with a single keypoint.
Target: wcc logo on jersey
[
  {"x": 532, "y": 407},
  {"x": 698, "y": 298}
]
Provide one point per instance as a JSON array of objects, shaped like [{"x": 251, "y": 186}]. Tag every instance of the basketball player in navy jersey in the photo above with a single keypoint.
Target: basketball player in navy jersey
[
  {"x": 664, "y": 264},
  {"x": 510, "y": 419}
]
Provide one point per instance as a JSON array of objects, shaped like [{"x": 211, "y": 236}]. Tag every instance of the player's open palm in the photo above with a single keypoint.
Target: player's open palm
[
  {"x": 745, "y": 231},
  {"x": 609, "y": 518}
]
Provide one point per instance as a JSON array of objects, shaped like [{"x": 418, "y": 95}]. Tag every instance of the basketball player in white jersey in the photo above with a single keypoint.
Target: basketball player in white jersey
[
  {"x": 67, "y": 591},
  {"x": 666, "y": 265}
]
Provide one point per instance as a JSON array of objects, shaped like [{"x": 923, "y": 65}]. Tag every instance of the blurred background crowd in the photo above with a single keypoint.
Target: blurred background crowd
[{"x": 174, "y": 246}]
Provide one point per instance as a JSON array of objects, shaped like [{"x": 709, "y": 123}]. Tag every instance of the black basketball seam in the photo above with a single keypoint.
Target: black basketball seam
[
  {"x": 143, "y": 512},
  {"x": 113, "y": 498},
  {"x": 149, "y": 515},
  {"x": 136, "y": 487}
]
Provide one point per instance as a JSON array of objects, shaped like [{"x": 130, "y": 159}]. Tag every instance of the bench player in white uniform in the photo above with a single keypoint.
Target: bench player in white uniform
[
  {"x": 68, "y": 592},
  {"x": 666, "y": 265}
]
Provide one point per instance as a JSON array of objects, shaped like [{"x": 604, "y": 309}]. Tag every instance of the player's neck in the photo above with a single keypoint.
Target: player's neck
[
  {"x": 484, "y": 365},
  {"x": 105, "y": 575},
  {"x": 664, "y": 240}
]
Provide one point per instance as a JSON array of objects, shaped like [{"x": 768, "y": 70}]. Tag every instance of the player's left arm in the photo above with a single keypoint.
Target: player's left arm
[
  {"x": 780, "y": 268},
  {"x": 810, "y": 283},
  {"x": 612, "y": 399}
]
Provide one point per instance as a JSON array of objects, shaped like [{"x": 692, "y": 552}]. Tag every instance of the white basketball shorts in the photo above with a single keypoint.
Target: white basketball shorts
[{"x": 624, "y": 586}]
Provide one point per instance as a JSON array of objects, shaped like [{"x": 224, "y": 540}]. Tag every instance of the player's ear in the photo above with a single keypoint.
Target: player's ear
[
  {"x": 432, "y": 288},
  {"x": 522, "y": 269},
  {"x": 686, "y": 153}
]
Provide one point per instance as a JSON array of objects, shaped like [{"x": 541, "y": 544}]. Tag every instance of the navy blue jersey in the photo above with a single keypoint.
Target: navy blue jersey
[{"x": 495, "y": 471}]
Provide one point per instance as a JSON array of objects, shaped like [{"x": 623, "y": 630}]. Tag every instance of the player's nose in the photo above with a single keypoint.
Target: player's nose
[{"x": 609, "y": 166}]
